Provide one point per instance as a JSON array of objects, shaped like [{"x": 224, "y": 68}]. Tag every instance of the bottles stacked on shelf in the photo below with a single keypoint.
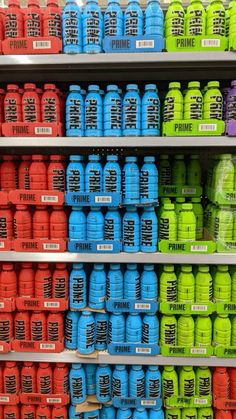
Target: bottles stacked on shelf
[{"x": 180, "y": 170}]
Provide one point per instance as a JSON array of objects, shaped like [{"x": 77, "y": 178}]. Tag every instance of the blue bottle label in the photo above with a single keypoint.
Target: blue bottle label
[
  {"x": 68, "y": 330},
  {"x": 90, "y": 334},
  {"x": 93, "y": 30},
  {"x": 109, "y": 230},
  {"x": 101, "y": 332},
  {"x": 115, "y": 113},
  {"x": 131, "y": 23},
  {"x": 129, "y": 233},
  {"x": 74, "y": 181},
  {"x": 130, "y": 113},
  {"x": 70, "y": 24},
  {"x": 91, "y": 114},
  {"x": 152, "y": 114},
  {"x": 144, "y": 184},
  {"x": 77, "y": 388},
  {"x": 110, "y": 180},
  {"x": 78, "y": 289},
  {"x": 103, "y": 385},
  {"x": 116, "y": 387},
  {"x": 147, "y": 232},
  {"x": 110, "y": 24},
  {"x": 94, "y": 181},
  {"x": 74, "y": 116}
]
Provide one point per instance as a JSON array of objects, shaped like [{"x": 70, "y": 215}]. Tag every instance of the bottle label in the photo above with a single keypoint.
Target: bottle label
[
  {"x": 3, "y": 228},
  {"x": 164, "y": 230},
  {"x": 140, "y": 387},
  {"x": 110, "y": 180},
  {"x": 11, "y": 108},
  {"x": 33, "y": 25},
  {"x": 103, "y": 385},
  {"x": 144, "y": 184},
  {"x": 116, "y": 387},
  {"x": 131, "y": 23},
  {"x": 74, "y": 116},
  {"x": 59, "y": 287},
  {"x": 129, "y": 228},
  {"x": 90, "y": 335},
  {"x": 29, "y": 110},
  {"x": 58, "y": 180},
  {"x": 10, "y": 384},
  {"x": 74, "y": 181},
  {"x": 12, "y": 26},
  {"x": 109, "y": 229},
  {"x": 114, "y": 112},
  {"x": 147, "y": 232},
  {"x": 69, "y": 330},
  {"x": 20, "y": 330},
  {"x": 71, "y": 32},
  {"x": 94, "y": 180},
  {"x": 168, "y": 388},
  {"x": 78, "y": 289},
  {"x": 169, "y": 108},
  {"x": 189, "y": 387},
  {"x": 77, "y": 388},
  {"x": 110, "y": 23},
  {"x": 130, "y": 113},
  {"x": 204, "y": 386},
  {"x": 53, "y": 25},
  {"x": 45, "y": 384},
  {"x": 92, "y": 28},
  {"x": 91, "y": 114},
  {"x": 154, "y": 388},
  {"x": 37, "y": 330},
  {"x": 170, "y": 334},
  {"x": 27, "y": 383},
  {"x": 49, "y": 109},
  {"x": 151, "y": 112},
  {"x": 101, "y": 332},
  {"x": 53, "y": 331},
  {"x": 5, "y": 330}
]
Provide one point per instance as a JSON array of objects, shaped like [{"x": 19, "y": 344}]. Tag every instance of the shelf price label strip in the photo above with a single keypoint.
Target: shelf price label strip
[{"x": 131, "y": 306}]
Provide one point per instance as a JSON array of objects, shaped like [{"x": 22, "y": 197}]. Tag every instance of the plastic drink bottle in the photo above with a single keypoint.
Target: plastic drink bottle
[
  {"x": 44, "y": 378},
  {"x": 131, "y": 230},
  {"x": 111, "y": 175},
  {"x": 136, "y": 381},
  {"x": 132, "y": 285},
  {"x": 233, "y": 286},
  {"x": 8, "y": 281},
  {"x": 149, "y": 181},
  {"x": 123, "y": 413},
  {"x": 6, "y": 222},
  {"x": 55, "y": 327},
  {"x": 168, "y": 223},
  {"x": 174, "y": 19},
  {"x": 203, "y": 381},
  {"x": 112, "y": 112},
  {"x": 2, "y": 91},
  {"x": 61, "y": 379},
  {"x": 97, "y": 287},
  {"x": 153, "y": 382},
  {"x": 11, "y": 378},
  {"x": 225, "y": 93},
  {"x": 38, "y": 326},
  {"x": 148, "y": 230},
  {"x": 77, "y": 384},
  {"x": 194, "y": 171},
  {"x": 43, "y": 281},
  {"x": 23, "y": 172},
  {"x": 86, "y": 333},
  {"x": 185, "y": 331},
  {"x": 153, "y": 19},
  {"x": 13, "y": 21},
  {"x": 173, "y": 413},
  {"x": 213, "y": 101},
  {"x": 113, "y": 19},
  {"x": 103, "y": 383},
  {"x": 134, "y": 328},
  {"x": 8, "y": 173},
  {"x": 56, "y": 174},
  {"x": 22, "y": 223},
  {"x": 59, "y": 412},
  {"x": 195, "y": 19},
  {"x": 33, "y": 20},
  {"x": 164, "y": 170},
  {"x": 92, "y": 415},
  {"x": 72, "y": 28},
  {"x": 38, "y": 173},
  {"x": 131, "y": 110},
  {"x": 156, "y": 413},
  {"x": 50, "y": 103},
  {"x": 149, "y": 283},
  {"x": 43, "y": 412},
  {"x": 78, "y": 287},
  {"x": 93, "y": 174},
  {"x": 22, "y": 325},
  {"x": 93, "y": 112},
  {"x": 120, "y": 381},
  {"x": 58, "y": 223},
  {"x": 230, "y": 107},
  {"x": 108, "y": 411},
  {"x": 222, "y": 284},
  {"x": 114, "y": 284},
  {"x": 101, "y": 331},
  {"x": 75, "y": 181},
  {"x": 222, "y": 330},
  {"x": 221, "y": 383},
  {"x": 215, "y": 18},
  {"x": 179, "y": 170},
  {"x": 11, "y": 412},
  {"x": 223, "y": 230},
  {"x": 205, "y": 413},
  {"x": 187, "y": 382},
  {"x": 112, "y": 224},
  {"x": 170, "y": 386},
  {"x": 140, "y": 413},
  {"x": 130, "y": 181},
  {"x": 116, "y": 328},
  {"x": 52, "y": 19},
  {"x": 74, "y": 113},
  {"x": 233, "y": 331},
  {"x": 232, "y": 376},
  {"x": 90, "y": 373},
  {"x": 193, "y": 101},
  {"x": 77, "y": 224},
  {"x": 187, "y": 224},
  {"x": 150, "y": 106},
  {"x": 41, "y": 222},
  {"x": 12, "y": 101},
  {"x": 71, "y": 329},
  {"x": 133, "y": 19},
  {"x": 203, "y": 331},
  {"x": 150, "y": 329},
  {"x": 198, "y": 212},
  {"x": 60, "y": 281},
  {"x": 186, "y": 285},
  {"x": 92, "y": 27},
  {"x": 28, "y": 378},
  {"x": 189, "y": 413},
  {"x": 168, "y": 284},
  {"x": 6, "y": 326},
  {"x": 31, "y": 108},
  {"x": 173, "y": 103},
  {"x": 168, "y": 334},
  {"x": 28, "y": 411},
  {"x": 223, "y": 173}
]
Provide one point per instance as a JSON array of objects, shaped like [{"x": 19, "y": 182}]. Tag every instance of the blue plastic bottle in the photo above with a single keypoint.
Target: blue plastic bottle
[
  {"x": 90, "y": 373},
  {"x": 73, "y": 414},
  {"x": 93, "y": 174},
  {"x": 112, "y": 175},
  {"x": 113, "y": 19},
  {"x": 86, "y": 333},
  {"x": 131, "y": 230},
  {"x": 133, "y": 19},
  {"x": 148, "y": 230},
  {"x": 149, "y": 283},
  {"x": 112, "y": 226},
  {"x": 93, "y": 112},
  {"x": 149, "y": 181},
  {"x": 72, "y": 28},
  {"x": 95, "y": 224},
  {"x": 136, "y": 382},
  {"x": 77, "y": 224},
  {"x": 150, "y": 332},
  {"x": 156, "y": 413},
  {"x": 140, "y": 413},
  {"x": 153, "y": 18},
  {"x": 131, "y": 111},
  {"x": 112, "y": 112},
  {"x": 103, "y": 383},
  {"x": 77, "y": 287},
  {"x": 123, "y": 413},
  {"x": 120, "y": 379},
  {"x": 153, "y": 382},
  {"x": 115, "y": 285},
  {"x": 92, "y": 27},
  {"x": 101, "y": 331},
  {"x": 75, "y": 181},
  {"x": 116, "y": 328},
  {"x": 77, "y": 384},
  {"x": 130, "y": 181},
  {"x": 94, "y": 414},
  {"x": 71, "y": 329},
  {"x": 108, "y": 412},
  {"x": 97, "y": 287},
  {"x": 75, "y": 112},
  {"x": 151, "y": 118},
  {"x": 132, "y": 286},
  {"x": 134, "y": 328}
]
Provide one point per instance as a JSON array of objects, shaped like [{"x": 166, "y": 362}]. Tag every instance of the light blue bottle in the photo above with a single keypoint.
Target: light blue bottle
[
  {"x": 151, "y": 118},
  {"x": 153, "y": 382},
  {"x": 140, "y": 413},
  {"x": 73, "y": 414},
  {"x": 131, "y": 111},
  {"x": 101, "y": 331},
  {"x": 112, "y": 175},
  {"x": 131, "y": 230},
  {"x": 148, "y": 230},
  {"x": 156, "y": 413},
  {"x": 153, "y": 19},
  {"x": 103, "y": 383},
  {"x": 93, "y": 174},
  {"x": 86, "y": 333},
  {"x": 115, "y": 284},
  {"x": 71, "y": 329},
  {"x": 94, "y": 414},
  {"x": 90, "y": 373},
  {"x": 133, "y": 19},
  {"x": 75, "y": 112},
  {"x": 75, "y": 180},
  {"x": 150, "y": 331},
  {"x": 77, "y": 224},
  {"x": 123, "y": 413},
  {"x": 148, "y": 181},
  {"x": 97, "y": 287},
  {"x": 120, "y": 379},
  {"x": 71, "y": 28},
  {"x": 108, "y": 412},
  {"x": 92, "y": 27},
  {"x": 134, "y": 328},
  {"x": 77, "y": 384},
  {"x": 95, "y": 224},
  {"x": 116, "y": 328},
  {"x": 132, "y": 285},
  {"x": 113, "y": 19},
  {"x": 112, "y": 112},
  {"x": 136, "y": 382},
  {"x": 149, "y": 283},
  {"x": 93, "y": 112},
  {"x": 112, "y": 226},
  {"x": 77, "y": 287},
  {"x": 130, "y": 181}
]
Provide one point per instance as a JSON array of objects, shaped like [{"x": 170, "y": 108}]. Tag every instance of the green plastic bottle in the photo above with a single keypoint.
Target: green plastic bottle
[
  {"x": 173, "y": 103},
  {"x": 215, "y": 18},
  {"x": 187, "y": 224},
  {"x": 164, "y": 172},
  {"x": 178, "y": 205},
  {"x": 223, "y": 173},
  {"x": 185, "y": 331},
  {"x": 203, "y": 285},
  {"x": 233, "y": 286},
  {"x": 213, "y": 102},
  {"x": 234, "y": 223},
  {"x": 187, "y": 381},
  {"x": 203, "y": 331},
  {"x": 205, "y": 413},
  {"x": 224, "y": 222},
  {"x": 193, "y": 102},
  {"x": 222, "y": 285},
  {"x": 170, "y": 386},
  {"x": 168, "y": 330},
  {"x": 211, "y": 171},
  {"x": 233, "y": 330},
  {"x": 162, "y": 202},
  {"x": 168, "y": 284},
  {"x": 173, "y": 413},
  {"x": 174, "y": 19},
  {"x": 230, "y": 17},
  {"x": 203, "y": 381},
  {"x": 222, "y": 330},
  {"x": 208, "y": 216},
  {"x": 189, "y": 413},
  {"x": 186, "y": 285},
  {"x": 214, "y": 226},
  {"x": 194, "y": 171},
  {"x": 179, "y": 170},
  {"x": 168, "y": 223},
  {"x": 195, "y": 19},
  {"x": 198, "y": 211}
]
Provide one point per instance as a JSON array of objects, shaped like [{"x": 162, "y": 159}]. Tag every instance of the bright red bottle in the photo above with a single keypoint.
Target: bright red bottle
[
  {"x": 11, "y": 378},
  {"x": 38, "y": 326},
  {"x": 31, "y": 107},
  {"x": 22, "y": 223},
  {"x": 44, "y": 378},
  {"x": 56, "y": 174},
  {"x": 232, "y": 377},
  {"x": 23, "y": 173},
  {"x": 12, "y": 104},
  {"x": 222, "y": 414},
  {"x": 22, "y": 325},
  {"x": 1, "y": 379},
  {"x": 26, "y": 280},
  {"x": 41, "y": 222},
  {"x": 43, "y": 412},
  {"x": 58, "y": 223},
  {"x": 2, "y": 23},
  {"x": 8, "y": 174},
  {"x": 28, "y": 378},
  {"x": 2, "y": 93},
  {"x": 43, "y": 281},
  {"x": 38, "y": 173},
  {"x": 234, "y": 414},
  {"x": 55, "y": 327},
  {"x": 14, "y": 21},
  {"x": 6, "y": 327},
  {"x": 61, "y": 379},
  {"x": 59, "y": 412},
  {"x": 8, "y": 281},
  {"x": 6, "y": 222},
  {"x": 60, "y": 281},
  {"x": 221, "y": 383},
  {"x": 28, "y": 411},
  {"x": 1, "y": 411},
  {"x": 33, "y": 19},
  {"x": 50, "y": 104},
  {"x": 52, "y": 19},
  {"x": 11, "y": 412}
]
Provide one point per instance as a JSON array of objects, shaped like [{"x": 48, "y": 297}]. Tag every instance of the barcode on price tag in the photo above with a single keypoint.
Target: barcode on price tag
[
  {"x": 49, "y": 198},
  {"x": 43, "y": 130},
  {"x": 198, "y": 351},
  {"x": 103, "y": 199},
  {"x": 4, "y": 399},
  {"x": 189, "y": 191},
  {"x": 207, "y": 127},
  {"x": 51, "y": 246},
  {"x": 2, "y": 305},
  {"x": 196, "y": 307},
  {"x": 210, "y": 43},
  {"x": 199, "y": 248},
  {"x": 148, "y": 402},
  {"x": 47, "y": 346},
  {"x": 2, "y": 245},
  {"x": 51, "y": 304},
  {"x": 41, "y": 44},
  {"x": 145, "y": 44},
  {"x": 200, "y": 401},
  {"x": 139, "y": 306},
  {"x": 103, "y": 247},
  {"x": 53, "y": 400},
  {"x": 143, "y": 350}
]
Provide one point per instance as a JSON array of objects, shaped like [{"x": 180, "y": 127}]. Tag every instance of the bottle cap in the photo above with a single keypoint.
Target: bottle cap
[
  {"x": 112, "y": 157},
  {"x": 131, "y": 159},
  {"x": 93, "y": 88},
  {"x": 186, "y": 268},
  {"x": 164, "y": 157},
  {"x": 7, "y": 266},
  {"x": 56, "y": 157},
  {"x": 77, "y": 208},
  {"x": 148, "y": 267},
  {"x": 99, "y": 266},
  {"x": 37, "y": 157},
  {"x": 115, "y": 266},
  {"x": 29, "y": 86},
  {"x": 43, "y": 265},
  {"x": 60, "y": 265},
  {"x": 132, "y": 266},
  {"x": 174, "y": 85},
  {"x": 12, "y": 87},
  {"x": 76, "y": 366},
  {"x": 187, "y": 206},
  {"x": 112, "y": 88},
  {"x": 86, "y": 313},
  {"x": 180, "y": 200},
  {"x": 49, "y": 86},
  {"x": 94, "y": 157},
  {"x": 10, "y": 364},
  {"x": 194, "y": 84},
  {"x": 169, "y": 268},
  {"x": 132, "y": 86},
  {"x": 196, "y": 200},
  {"x": 74, "y": 88},
  {"x": 28, "y": 364},
  {"x": 131, "y": 208},
  {"x": 136, "y": 367},
  {"x": 77, "y": 265},
  {"x": 213, "y": 84},
  {"x": 223, "y": 268},
  {"x": 194, "y": 157},
  {"x": 26, "y": 158},
  {"x": 149, "y": 159},
  {"x": 76, "y": 158},
  {"x": 179, "y": 157},
  {"x": 150, "y": 86},
  {"x": 169, "y": 207},
  {"x": 44, "y": 364}
]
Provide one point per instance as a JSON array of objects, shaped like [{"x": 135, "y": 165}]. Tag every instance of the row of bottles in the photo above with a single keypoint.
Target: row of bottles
[
  {"x": 180, "y": 170},
  {"x": 221, "y": 175}
]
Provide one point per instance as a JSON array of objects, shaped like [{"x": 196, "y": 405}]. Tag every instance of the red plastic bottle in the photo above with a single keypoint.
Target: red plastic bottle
[
  {"x": 59, "y": 412},
  {"x": 44, "y": 378},
  {"x": 22, "y": 223},
  {"x": 50, "y": 104},
  {"x": 1, "y": 411},
  {"x": 38, "y": 173},
  {"x": 43, "y": 412},
  {"x": 1, "y": 379},
  {"x": 12, "y": 104},
  {"x": 56, "y": 174},
  {"x": 41, "y": 222},
  {"x": 23, "y": 173},
  {"x": 2, "y": 93},
  {"x": 55, "y": 327},
  {"x": 8, "y": 174},
  {"x": 14, "y": 21},
  {"x": 222, "y": 414},
  {"x": 31, "y": 107},
  {"x": 60, "y": 281},
  {"x": 8, "y": 281},
  {"x": 2, "y": 23},
  {"x": 232, "y": 377},
  {"x": 43, "y": 281},
  {"x": 61, "y": 379},
  {"x": 11, "y": 412},
  {"x": 58, "y": 223},
  {"x": 234, "y": 414},
  {"x": 28, "y": 411},
  {"x": 6, "y": 327},
  {"x": 22, "y": 325},
  {"x": 28, "y": 378},
  {"x": 33, "y": 20},
  {"x": 221, "y": 383},
  {"x": 11, "y": 378},
  {"x": 38, "y": 326},
  {"x": 52, "y": 19},
  {"x": 26, "y": 280},
  {"x": 6, "y": 222}
]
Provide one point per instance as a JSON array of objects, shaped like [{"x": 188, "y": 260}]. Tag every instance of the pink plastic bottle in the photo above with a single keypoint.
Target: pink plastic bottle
[
  {"x": 28, "y": 378},
  {"x": 44, "y": 378},
  {"x": 6, "y": 327},
  {"x": 221, "y": 383},
  {"x": 26, "y": 280},
  {"x": 61, "y": 379},
  {"x": 31, "y": 107},
  {"x": 22, "y": 325},
  {"x": 11, "y": 412},
  {"x": 12, "y": 104},
  {"x": 52, "y": 19},
  {"x": 55, "y": 327},
  {"x": 60, "y": 281},
  {"x": 58, "y": 223},
  {"x": 11, "y": 378},
  {"x": 41, "y": 222},
  {"x": 28, "y": 411},
  {"x": 59, "y": 412},
  {"x": 38, "y": 326},
  {"x": 23, "y": 172},
  {"x": 6, "y": 222},
  {"x": 232, "y": 377},
  {"x": 43, "y": 281},
  {"x": 8, "y": 281},
  {"x": 43, "y": 412},
  {"x": 38, "y": 173},
  {"x": 8, "y": 174},
  {"x": 33, "y": 20},
  {"x": 14, "y": 21},
  {"x": 56, "y": 174},
  {"x": 22, "y": 223},
  {"x": 50, "y": 104}
]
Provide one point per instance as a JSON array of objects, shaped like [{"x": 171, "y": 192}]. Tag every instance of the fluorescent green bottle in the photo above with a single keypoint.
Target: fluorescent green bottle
[
  {"x": 213, "y": 102},
  {"x": 203, "y": 381},
  {"x": 168, "y": 334},
  {"x": 214, "y": 226},
  {"x": 173, "y": 413},
  {"x": 164, "y": 172},
  {"x": 203, "y": 285},
  {"x": 223, "y": 173},
  {"x": 208, "y": 216},
  {"x": 234, "y": 223},
  {"x": 205, "y": 413},
  {"x": 186, "y": 285},
  {"x": 187, "y": 224},
  {"x": 189, "y": 413},
  {"x": 195, "y": 19},
  {"x": 233, "y": 286},
  {"x": 170, "y": 385},
  {"x": 168, "y": 284},
  {"x": 224, "y": 222},
  {"x": 179, "y": 170},
  {"x": 222, "y": 285},
  {"x": 233, "y": 330},
  {"x": 231, "y": 19},
  {"x": 222, "y": 330},
  {"x": 168, "y": 223},
  {"x": 198, "y": 211},
  {"x": 193, "y": 102},
  {"x": 174, "y": 19},
  {"x": 173, "y": 103},
  {"x": 203, "y": 331},
  {"x": 187, "y": 382},
  {"x": 215, "y": 18},
  {"x": 194, "y": 171},
  {"x": 178, "y": 205},
  {"x": 185, "y": 331},
  {"x": 211, "y": 171}
]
